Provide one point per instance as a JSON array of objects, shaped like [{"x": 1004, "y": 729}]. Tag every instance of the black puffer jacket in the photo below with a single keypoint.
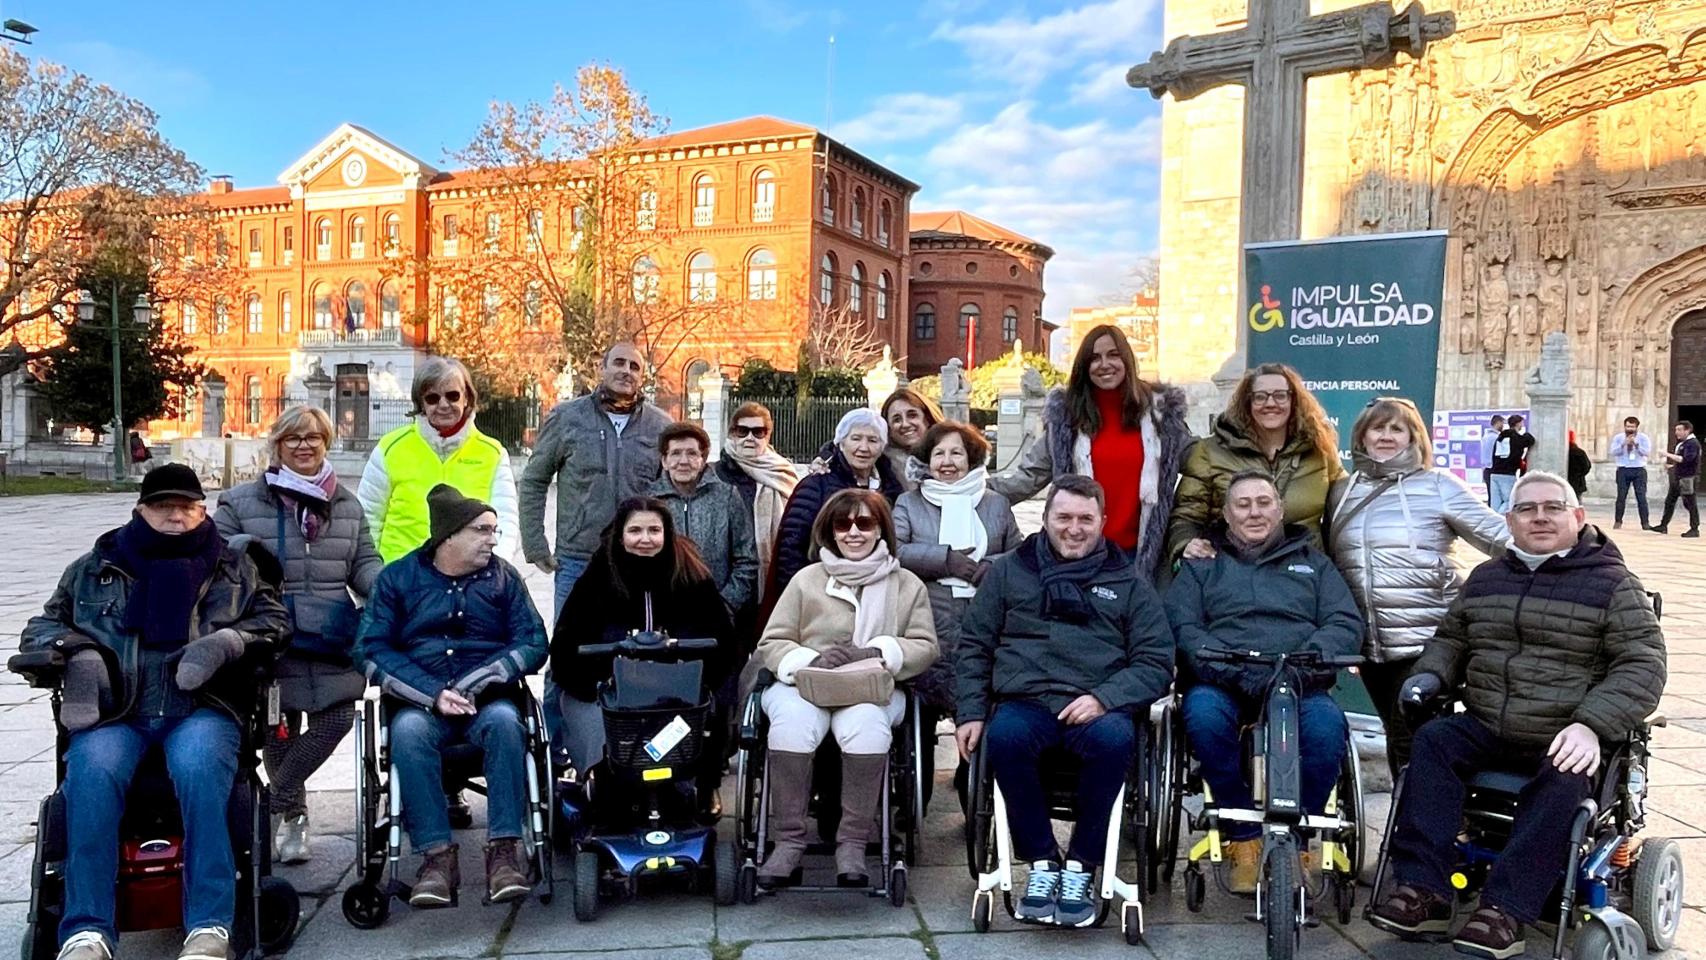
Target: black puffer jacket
[
  {"x": 1573, "y": 641},
  {"x": 794, "y": 539}
]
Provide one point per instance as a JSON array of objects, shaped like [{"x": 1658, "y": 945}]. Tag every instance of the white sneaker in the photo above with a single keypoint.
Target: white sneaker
[
  {"x": 85, "y": 945},
  {"x": 293, "y": 840},
  {"x": 207, "y": 943}
]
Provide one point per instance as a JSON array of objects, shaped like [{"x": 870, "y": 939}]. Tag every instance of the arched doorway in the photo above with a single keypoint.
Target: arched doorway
[{"x": 1688, "y": 369}]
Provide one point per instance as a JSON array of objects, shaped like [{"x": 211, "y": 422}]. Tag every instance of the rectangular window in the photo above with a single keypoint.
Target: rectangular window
[
  {"x": 190, "y": 320},
  {"x": 761, "y": 283},
  {"x": 254, "y": 248},
  {"x": 221, "y": 318},
  {"x": 451, "y": 235},
  {"x": 289, "y": 245},
  {"x": 646, "y": 214},
  {"x": 284, "y": 313},
  {"x": 494, "y": 229}
]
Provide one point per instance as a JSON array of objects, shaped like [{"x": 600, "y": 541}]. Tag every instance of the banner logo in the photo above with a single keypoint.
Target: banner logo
[{"x": 1265, "y": 314}]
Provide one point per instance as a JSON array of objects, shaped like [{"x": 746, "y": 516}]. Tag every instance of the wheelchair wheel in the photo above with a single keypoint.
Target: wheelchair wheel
[
  {"x": 40, "y": 940},
  {"x": 281, "y": 909},
  {"x": 1356, "y": 840},
  {"x": 980, "y": 816},
  {"x": 1344, "y": 898},
  {"x": 1159, "y": 803},
  {"x": 1196, "y": 888},
  {"x": 748, "y": 889},
  {"x": 982, "y": 911},
  {"x": 586, "y": 886},
  {"x": 897, "y": 885},
  {"x": 1279, "y": 898},
  {"x": 1593, "y": 942},
  {"x": 1658, "y": 889},
  {"x": 366, "y": 906},
  {"x": 726, "y": 870}
]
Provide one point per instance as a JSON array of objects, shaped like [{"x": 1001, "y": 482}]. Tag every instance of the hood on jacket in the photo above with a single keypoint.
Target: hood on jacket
[
  {"x": 1593, "y": 549},
  {"x": 1293, "y": 537}
]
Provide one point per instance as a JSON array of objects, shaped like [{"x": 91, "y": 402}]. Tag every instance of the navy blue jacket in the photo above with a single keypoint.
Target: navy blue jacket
[
  {"x": 794, "y": 537},
  {"x": 423, "y": 631}
]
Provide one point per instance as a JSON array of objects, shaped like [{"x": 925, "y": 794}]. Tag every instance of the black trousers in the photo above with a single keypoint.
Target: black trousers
[
  {"x": 1445, "y": 753},
  {"x": 1383, "y": 681},
  {"x": 1689, "y": 503}
]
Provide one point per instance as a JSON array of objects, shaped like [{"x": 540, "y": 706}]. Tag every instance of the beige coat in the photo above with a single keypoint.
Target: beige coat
[{"x": 814, "y": 613}]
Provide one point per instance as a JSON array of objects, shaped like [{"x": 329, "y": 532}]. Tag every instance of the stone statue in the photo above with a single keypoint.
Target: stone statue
[
  {"x": 1031, "y": 383},
  {"x": 956, "y": 391},
  {"x": 1552, "y": 370}
]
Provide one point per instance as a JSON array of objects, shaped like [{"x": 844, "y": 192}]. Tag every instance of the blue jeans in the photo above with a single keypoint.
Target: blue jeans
[
  {"x": 1632, "y": 477},
  {"x": 1499, "y": 492},
  {"x": 201, "y": 757},
  {"x": 418, "y": 739},
  {"x": 569, "y": 569},
  {"x": 1016, "y": 738},
  {"x": 1213, "y": 718}
]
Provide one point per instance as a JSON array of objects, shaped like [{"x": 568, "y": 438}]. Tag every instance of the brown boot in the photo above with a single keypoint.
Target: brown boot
[
  {"x": 1244, "y": 858},
  {"x": 437, "y": 882},
  {"x": 790, "y": 787},
  {"x": 507, "y": 874},
  {"x": 863, "y": 786}
]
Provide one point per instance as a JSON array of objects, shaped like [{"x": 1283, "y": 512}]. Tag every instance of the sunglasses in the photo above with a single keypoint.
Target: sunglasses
[
  {"x": 759, "y": 432},
  {"x": 449, "y": 396},
  {"x": 865, "y": 524}
]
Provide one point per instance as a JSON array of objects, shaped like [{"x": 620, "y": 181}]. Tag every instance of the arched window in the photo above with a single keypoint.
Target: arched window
[
  {"x": 704, "y": 200},
  {"x": 690, "y": 387},
  {"x": 646, "y": 276},
  {"x": 856, "y": 288},
  {"x": 393, "y": 233},
  {"x": 826, "y": 281},
  {"x": 533, "y": 304},
  {"x": 256, "y": 317},
  {"x": 390, "y": 304},
  {"x": 969, "y": 315},
  {"x": 535, "y": 230},
  {"x": 1009, "y": 325},
  {"x": 323, "y": 239},
  {"x": 252, "y": 393},
  {"x": 883, "y": 295},
  {"x": 701, "y": 278},
  {"x": 356, "y": 295},
  {"x": 763, "y": 196},
  {"x": 449, "y": 309},
  {"x": 491, "y": 301},
  {"x": 761, "y": 275},
  {"x": 322, "y": 307},
  {"x": 857, "y": 220},
  {"x": 885, "y": 223},
  {"x": 826, "y": 200},
  {"x": 924, "y": 322},
  {"x": 357, "y": 238},
  {"x": 285, "y": 319}
]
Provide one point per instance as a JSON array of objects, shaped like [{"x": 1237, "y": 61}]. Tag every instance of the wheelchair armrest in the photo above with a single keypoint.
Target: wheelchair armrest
[
  {"x": 1654, "y": 719},
  {"x": 43, "y": 669}
]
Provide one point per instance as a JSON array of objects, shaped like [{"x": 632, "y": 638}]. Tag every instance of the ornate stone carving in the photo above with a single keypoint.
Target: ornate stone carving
[{"x": 1552, "y": 370}]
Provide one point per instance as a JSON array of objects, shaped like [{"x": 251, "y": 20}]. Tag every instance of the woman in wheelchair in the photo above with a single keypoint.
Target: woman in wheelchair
[
  {"x": 1266, "y": 589},
  {"x": 845, "y": 628},
  {"x": 449, "y": 631},
  {"x": 146, "y": 624},
  {"x": 643, "y": 577}
]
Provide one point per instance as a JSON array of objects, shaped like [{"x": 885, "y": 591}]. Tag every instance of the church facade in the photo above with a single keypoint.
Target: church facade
[{"x": 1561, "y": 145}]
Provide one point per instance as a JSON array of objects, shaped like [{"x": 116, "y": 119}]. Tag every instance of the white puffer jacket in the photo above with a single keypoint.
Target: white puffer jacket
[{"x": 1395, "y": 550}]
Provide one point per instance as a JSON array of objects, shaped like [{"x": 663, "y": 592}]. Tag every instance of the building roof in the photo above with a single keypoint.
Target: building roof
[
  {"x": 945, "y": 224},
  {"x": 247, "y": 197},
  {"x": 747, "y": 128}
]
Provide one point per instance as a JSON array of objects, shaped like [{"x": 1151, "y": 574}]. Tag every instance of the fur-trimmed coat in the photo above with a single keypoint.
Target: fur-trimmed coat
[{"x": 1063, "y": 450}]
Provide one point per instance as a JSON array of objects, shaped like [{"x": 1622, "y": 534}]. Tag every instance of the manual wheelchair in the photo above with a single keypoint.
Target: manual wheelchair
[
  {"x": 899, "y": 820},
  {"x": 379, "y": 805},
  {"x": 989, "y": 846},
  {"x": 150, "y": 881},
  {"x": 1283, "y": 896}
]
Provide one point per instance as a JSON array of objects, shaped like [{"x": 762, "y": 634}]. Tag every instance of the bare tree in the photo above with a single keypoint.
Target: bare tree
[
  {"x": 84, "y": 175},
  {"x": 840, "y": 337}
]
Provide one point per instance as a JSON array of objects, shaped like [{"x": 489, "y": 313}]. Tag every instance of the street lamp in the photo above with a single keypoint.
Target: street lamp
[
  {"x": 142, "y": 312},
  {"x": 16, "y": 31}
]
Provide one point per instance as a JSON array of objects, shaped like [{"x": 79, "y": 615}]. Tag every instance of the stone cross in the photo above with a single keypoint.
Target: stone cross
[{"x": 1282, "y": 47}]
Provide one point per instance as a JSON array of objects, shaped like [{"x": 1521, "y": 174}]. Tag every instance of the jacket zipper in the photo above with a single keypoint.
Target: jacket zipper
[{"x": 1505, "y": 703}]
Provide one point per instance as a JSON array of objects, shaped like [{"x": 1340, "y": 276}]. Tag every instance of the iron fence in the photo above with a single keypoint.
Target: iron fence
[{"x": 804, "y": 426}]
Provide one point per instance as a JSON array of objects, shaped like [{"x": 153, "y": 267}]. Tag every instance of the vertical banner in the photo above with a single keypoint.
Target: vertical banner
[{"x": 1357, "y": 317}]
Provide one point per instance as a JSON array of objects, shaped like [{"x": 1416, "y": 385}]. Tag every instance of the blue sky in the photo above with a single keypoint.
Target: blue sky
[{"x": 1016, "y": 111}]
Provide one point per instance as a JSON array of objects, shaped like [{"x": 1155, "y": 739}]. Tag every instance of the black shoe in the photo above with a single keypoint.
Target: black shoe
[
  {"x": 1617, "y": 525},
  {"x": 1692, "y": 533},
  {"x": 1660, "y": 529}
]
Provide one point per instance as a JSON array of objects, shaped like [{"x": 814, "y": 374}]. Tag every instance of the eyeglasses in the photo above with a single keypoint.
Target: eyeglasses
[
  {"x": 296, "y": 441},
  {"x": 1260, "y": 397},
  {"x": 756, "y": 432},
  {"x": 865, "y": 524},
  {"x": 485, "y": 529},
  {"x": 450, "y": 396},
  {"x": 1551, "y": 508}
]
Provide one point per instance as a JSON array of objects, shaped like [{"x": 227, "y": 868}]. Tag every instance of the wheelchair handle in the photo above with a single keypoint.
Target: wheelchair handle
[
  {"x": 40, "y": 668},
  {"x": 644, "y": 642},
  {"x": 1300, "y": 658}
]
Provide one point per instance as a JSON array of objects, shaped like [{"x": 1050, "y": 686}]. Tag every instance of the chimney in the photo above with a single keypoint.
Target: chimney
[{"x": 221, "y": 184}]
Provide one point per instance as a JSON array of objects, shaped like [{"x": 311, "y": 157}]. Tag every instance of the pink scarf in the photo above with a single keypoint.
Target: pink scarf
[{"x": 309, "y": 498}]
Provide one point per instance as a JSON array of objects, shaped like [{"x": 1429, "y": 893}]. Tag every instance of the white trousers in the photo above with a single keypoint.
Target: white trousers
[{"x": 799, "y": 727}]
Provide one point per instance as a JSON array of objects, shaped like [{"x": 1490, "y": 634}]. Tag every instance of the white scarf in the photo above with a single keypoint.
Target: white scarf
[
  {"x": 776, "y": 480},
  {"x": 960, "y": 526},
  {"x": 301, "y": 484},
  {"x": 874, "y": 613}
]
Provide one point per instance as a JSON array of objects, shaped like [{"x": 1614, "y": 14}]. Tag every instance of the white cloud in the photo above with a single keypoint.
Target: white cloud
[
  {"x": 133, "y": 72},
  {"x": 1028, "y": 50},
  {"x": 899, "y": 117},
  {"x": 1101, "y": 83},
  {"x": 775, "y": 16}
]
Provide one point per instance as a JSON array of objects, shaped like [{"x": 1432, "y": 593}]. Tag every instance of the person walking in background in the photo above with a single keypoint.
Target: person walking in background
[
  {"x": 1631, "y": 450},
  {"x": 1577, "y": 467},
  {"x": 765, "y": 479},
  {"x": 1510, "y": 453},
  {"x": 1684, "y": 460},
  {"x": 440, "y": 444},
  {"x": 1489, "y": 439},
  {"x": 316, "y": 528},
  {"x": 1127, "y": 435}
]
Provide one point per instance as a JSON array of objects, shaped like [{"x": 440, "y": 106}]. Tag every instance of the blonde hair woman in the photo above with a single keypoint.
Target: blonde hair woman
[{"x": 317, "y": 529}]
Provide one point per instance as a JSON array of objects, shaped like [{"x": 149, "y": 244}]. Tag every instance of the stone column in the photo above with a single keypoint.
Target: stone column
[
  {"x": 1549, "y": 394},
  {"x": 1010, "y": 409},
  {"x": 319, "y": 387},
  {"x": 956, "y": 391},
  {"x": 882, "y": 379},
  {"x": 17, "y": 411},
  {"x": 714, "y": 395},
  {"x": 213, "y": 406}
]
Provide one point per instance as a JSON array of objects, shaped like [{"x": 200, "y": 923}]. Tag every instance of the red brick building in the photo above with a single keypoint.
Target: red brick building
[{"x": 975, "y": 288}]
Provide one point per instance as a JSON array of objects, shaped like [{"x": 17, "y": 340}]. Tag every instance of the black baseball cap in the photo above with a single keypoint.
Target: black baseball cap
[{"x": 171, "y": 480}]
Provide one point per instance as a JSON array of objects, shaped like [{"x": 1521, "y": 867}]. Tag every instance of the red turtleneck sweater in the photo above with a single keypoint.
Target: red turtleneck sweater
[{"x": 1116, "y": 458}]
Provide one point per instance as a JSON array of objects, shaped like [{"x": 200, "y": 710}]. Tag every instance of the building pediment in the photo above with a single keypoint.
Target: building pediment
[{"x": 358, "y": 150}]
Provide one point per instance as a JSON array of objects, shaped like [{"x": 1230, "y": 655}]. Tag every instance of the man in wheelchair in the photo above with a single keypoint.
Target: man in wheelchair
[
  {"x": 448, "y": 633},
  {"x": 1557, "y": 650},
  {"x": 146, "y": 622},
  {"x": 1268, "y": 589},
  {"x": 1065, "y": 646}
]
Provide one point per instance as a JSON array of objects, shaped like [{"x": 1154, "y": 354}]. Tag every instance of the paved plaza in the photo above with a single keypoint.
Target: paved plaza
[{"x": 46, "y": 533}]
